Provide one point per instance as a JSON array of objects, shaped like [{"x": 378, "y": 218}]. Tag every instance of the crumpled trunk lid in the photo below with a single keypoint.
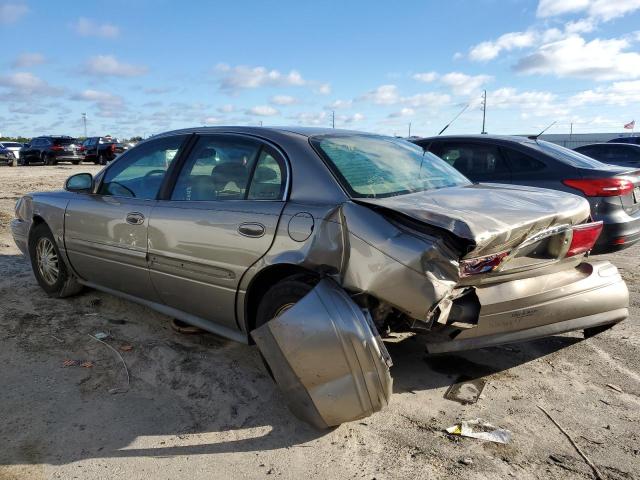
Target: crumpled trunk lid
[{"x": 490, "y": 217}]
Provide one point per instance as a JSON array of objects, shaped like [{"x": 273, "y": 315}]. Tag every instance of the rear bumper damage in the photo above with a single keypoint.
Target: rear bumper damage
[{"x": 590, "y": 295}]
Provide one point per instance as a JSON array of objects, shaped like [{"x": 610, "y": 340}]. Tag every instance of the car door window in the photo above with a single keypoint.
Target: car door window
[
  {"x": 140, "y": 173},
  {"x": 523, "y": 163},
  {"x": 218, "y": 168},
  {"x": 268, "y": 179},
  {"x": 476, "y": 161}
]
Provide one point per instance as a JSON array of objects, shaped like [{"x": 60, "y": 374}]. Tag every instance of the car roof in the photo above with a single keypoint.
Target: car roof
[
  {"x": 632, "y": 145},
  {"x": 481, "y": 138},
  {"x": 263, "y": 131}
]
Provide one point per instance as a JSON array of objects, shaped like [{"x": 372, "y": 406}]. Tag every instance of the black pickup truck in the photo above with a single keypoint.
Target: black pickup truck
[{"x": 101, "y": 150}]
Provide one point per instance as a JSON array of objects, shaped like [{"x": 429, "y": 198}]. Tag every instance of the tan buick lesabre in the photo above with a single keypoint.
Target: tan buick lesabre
[{"x": 311, "y": 241}]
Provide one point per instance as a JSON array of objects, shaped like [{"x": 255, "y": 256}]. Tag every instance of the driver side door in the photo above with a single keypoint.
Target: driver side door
[{"x": 106, "y": 231}]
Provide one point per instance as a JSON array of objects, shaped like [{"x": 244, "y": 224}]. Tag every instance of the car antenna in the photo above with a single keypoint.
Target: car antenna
[
  {"x": 535, "y": 137},
  {"x": 454, "y": 119}
]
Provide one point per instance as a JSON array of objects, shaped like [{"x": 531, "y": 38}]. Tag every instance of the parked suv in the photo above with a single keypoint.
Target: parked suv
[
  {"x": 101, "y": 150},
  {"x": 50, "y": 150},
  {"x": 612, "y": 191}
]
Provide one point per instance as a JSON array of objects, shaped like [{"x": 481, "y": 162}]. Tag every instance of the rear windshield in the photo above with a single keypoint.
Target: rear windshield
[
  {"x": 568, "y": 156},
  {"x": 63, "y": 141},
  {"x": 376, "y": 166},
  {"x": 11, "y": 144}
]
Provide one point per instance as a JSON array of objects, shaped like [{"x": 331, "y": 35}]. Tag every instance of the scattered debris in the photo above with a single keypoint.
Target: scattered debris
[
  {"x": 90, "y": 314},
  {"x": 480, "y": 430},
  {"x": 185, "y": 328},
  {"x": 100, "y": 335},
  {"x": 69, "y": 363},
  {"x": 597, "y": 473},
  {"x": 466, "y": 461},
  {"x": 95, "y": 302},
  {"x": 78, "y": 363},
  {"x": 126, "y": 370},
  {"x": 57, "y": 339},
  {"x": 87, "y": 364},
  {"x": 466, "y": 390},
  {"x": 126, "y": 348},
  {"x": 614, "y": 387}
]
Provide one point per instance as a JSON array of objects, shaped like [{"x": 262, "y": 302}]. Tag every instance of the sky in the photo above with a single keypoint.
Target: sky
[{"x": 140, "y": 67}]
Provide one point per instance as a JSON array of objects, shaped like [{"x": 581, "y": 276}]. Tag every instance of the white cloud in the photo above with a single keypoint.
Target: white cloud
[
  {"x": 462, "y": 84},
  {"x": 405, "y": 112},
  {"x": 262, "y": 111},
  {"x": 429, "y": 99},
  {"x": 12, "y": 12},
  {"x": 600, "y": 10},
  {"x": 426, "y": 77},
  {"x": 26, "y": 60},
  {"x": 598, "y": 59},
  {"x": 509, "y": 41},
  {"x": 101, "y": 98},
  {"x": 241, "y": 77},
  {"x": 311, "y": 118},
  {"x": 323, "y": 89},
  {"x": 283, "y": 100},
  {"x": 212, "y": 120},
  {"x": 349, "y": 119},
  {"x": 339, "y": 104},
  {"x": 89, "y": 28},
  {"x": 228, "y": 108},
  {"x": 383, "y": 95},
  {"x": 21, "y": 85},
  {"x": 618, "y": 93},
  {"x": 109, "y": 65}
]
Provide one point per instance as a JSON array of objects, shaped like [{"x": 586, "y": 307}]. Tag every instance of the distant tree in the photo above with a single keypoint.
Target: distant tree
[{"x": 15, "y": 139}]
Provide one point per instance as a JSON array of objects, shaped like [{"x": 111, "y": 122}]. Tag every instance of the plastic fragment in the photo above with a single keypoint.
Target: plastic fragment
[{"x": 480, "y": 430}]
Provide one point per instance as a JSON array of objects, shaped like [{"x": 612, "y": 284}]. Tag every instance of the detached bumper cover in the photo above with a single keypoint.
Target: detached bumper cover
[
  {"x": 327, "y": 358},
  {"x": 590, "y": 295}
]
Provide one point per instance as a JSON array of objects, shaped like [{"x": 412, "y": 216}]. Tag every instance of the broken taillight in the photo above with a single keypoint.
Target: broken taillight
[
  {"x": 486, "y": 264},
  {"x": 584, "y": 237}
]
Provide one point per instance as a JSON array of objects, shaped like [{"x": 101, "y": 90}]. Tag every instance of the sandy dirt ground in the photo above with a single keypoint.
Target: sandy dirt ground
[{"x": 203, "y": 407}]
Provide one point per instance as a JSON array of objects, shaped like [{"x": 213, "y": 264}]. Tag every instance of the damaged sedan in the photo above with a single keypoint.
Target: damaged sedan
[{"x": 310, "y": 243}]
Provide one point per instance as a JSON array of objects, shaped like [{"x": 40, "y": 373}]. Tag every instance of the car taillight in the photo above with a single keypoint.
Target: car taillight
[
  {"x": 57, "y": 147},
  {"x": 601, "y": 187},
  {"x": 486, "y": 264},
  {"x": 584, "y": 237},
  {"x": 113, "y": 147}
]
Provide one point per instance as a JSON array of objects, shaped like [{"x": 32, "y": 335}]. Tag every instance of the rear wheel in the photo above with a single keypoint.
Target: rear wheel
[
  {"x": 282, "y": 296},
  {"x": 102, "y": 160},
  {"x": 48, "y": 266},
  {"x": 75, "y": 162}
]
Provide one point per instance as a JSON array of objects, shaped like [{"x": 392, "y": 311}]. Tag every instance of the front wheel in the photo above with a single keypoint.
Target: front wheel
[{"x": 48, "y": 267}]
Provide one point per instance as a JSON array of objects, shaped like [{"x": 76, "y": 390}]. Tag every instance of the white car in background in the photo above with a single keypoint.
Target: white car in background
[{"x": 14, "y": 148}]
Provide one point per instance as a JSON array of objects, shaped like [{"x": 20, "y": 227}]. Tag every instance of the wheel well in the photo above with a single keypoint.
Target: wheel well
[
  {"x": 37, "y": 220},
  {"x": 262, "y": 282}
]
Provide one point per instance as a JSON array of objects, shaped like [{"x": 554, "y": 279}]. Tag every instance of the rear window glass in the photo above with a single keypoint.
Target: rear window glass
[
  {"x": 63, "y": 141},
  {"x": 11, "y": 144},
  {"x": 377, "y": 166},
  {"x": 567, "y": 156}
]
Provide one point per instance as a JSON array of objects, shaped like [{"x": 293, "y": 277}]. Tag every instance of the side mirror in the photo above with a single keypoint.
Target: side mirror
[{"x": 79, "y": 183}]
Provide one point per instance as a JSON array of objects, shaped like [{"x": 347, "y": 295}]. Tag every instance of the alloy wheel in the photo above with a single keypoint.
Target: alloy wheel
[{"x": 47, "y": 260}]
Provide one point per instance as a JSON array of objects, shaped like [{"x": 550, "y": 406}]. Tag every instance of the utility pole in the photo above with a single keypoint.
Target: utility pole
[
  {"x": 84, "y": 121},
  {"x": 260, "y": 122},
  {"x": 409, "y": 129},
  {"x": 333, "y": 119},
  {"x": 484, "y": 111},
  {"x": 571, "y": 131}
]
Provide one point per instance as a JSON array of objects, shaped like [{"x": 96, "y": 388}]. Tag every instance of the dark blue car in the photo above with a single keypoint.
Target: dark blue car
[
  {"x": 635, "y": 140},
  {"x": 612, "y": 191},
  {"x": 623, "y": 154}
]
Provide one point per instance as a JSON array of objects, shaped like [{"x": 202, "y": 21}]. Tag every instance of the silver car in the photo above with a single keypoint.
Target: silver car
[{"x": 309, "y": 242}]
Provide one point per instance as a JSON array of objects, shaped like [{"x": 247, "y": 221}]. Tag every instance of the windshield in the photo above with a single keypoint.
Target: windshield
[
  {"x": 571, "y": 157},
  {"x": 377, "y": 166}
]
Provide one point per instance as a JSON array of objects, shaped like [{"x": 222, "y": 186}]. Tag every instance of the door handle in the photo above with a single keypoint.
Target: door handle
[
  {"x": 135, "y": 218},
  {"x": 254, "y": 230}
]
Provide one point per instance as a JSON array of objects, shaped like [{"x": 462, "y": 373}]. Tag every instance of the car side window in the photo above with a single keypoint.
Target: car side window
[
  {"x": 139, "y": 173},
  {"x": 218, "y": 168},
  {"x": 268, "y": 178},
  {"x": 473, "y": 160},
  {"x": 521, "y": 162}
]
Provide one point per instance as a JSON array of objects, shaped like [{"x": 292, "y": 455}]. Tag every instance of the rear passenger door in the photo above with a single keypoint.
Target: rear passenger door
[
  {"x": 220, "y": 217},
  {"x": 479, "y": 162},
  {"x": 529, "y": 170}
]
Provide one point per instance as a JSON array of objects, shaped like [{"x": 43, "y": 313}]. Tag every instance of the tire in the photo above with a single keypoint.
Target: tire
[
  {"x": 593, "y": 331},
  {"x": 283, "y": 295},
  {"x": 75, "y": 162},
  {"x": 48, "y": 266},
  {"x": 13, "y": 162},
  {"x": 102, "y": 160},
  {"x": 44, "y": 159}
]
